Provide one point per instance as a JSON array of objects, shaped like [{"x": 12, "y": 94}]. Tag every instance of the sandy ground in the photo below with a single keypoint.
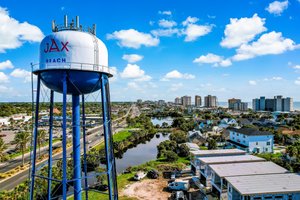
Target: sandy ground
[{"x": 148, "y": 189}]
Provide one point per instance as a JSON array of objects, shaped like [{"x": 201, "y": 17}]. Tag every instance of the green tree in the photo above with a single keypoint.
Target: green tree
[
  {"x": 294, "y": 150},
  {"x": 40, "y": 139},
  {"x": 3, "y": 147},
  {"x": 21, "y": 139},
  {"x": 171, "y": 156},
  {"x": 212, "y": 144},
  {"x": 178, "y": 136},
  {"x": 184, "y": 150}
]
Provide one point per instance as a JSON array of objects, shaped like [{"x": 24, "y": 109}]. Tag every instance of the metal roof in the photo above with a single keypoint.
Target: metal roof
[
  {"x": 230, "y": 159},
  {"x": 266, "y": 184},
  {"x": 240, "y": 169},
  {"x": 217, "y": 152}
]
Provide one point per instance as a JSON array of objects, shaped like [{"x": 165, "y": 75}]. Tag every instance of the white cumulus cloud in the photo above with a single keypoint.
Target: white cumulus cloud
[
  {"x": 274, "y": 78},
  {"x": 277, "y": 7},
  {"x": 176, "y": 86},
  {"x": 268, "y": 43},
  {"x": 3, "y": 78},
  {"x": 297, "y": 81},
  {"x": 21, "y": 73},
  {"x": 251, "y": 82},
  {"x": 177, "y": 75},
  {"x": 6, "y": 65},
  {"x": 214, "y": 59},
  {"x": 243, "y": 30},
  {"x": 13, "y": 33},
  {"x": 296, "y": 67},
  {"x": 166, "y": 23},
  {"x": 166, "y": 12},
  {"x": 133, "y": 71},
  {"x": 190, "y": 20},
  {"x": 165, "y": 32},
  {"x": 132, "y": 38},
  {"x": 132, "y": 58},
  {"x": 194, "y": 31}
]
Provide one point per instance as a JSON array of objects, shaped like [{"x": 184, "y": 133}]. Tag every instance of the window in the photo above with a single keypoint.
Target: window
[
  {"x": 269, "y": 197},
  {"x": 244, "y": 136},
  {"x": 237, "y": 134},
  {"x": 268, "y": 143},
  {"x": 243, "y": 141},
  {"x": 266, "y": 149},
  {"x": 233, "y": 133},
  {"x": 256, "y": 143},
  {"x": 278, "y": 197},
  {"x": 233, "y": 138}
]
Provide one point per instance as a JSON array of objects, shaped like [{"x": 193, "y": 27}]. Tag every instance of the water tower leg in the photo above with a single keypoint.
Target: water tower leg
[
  {"x": 64, "y": 138},
  {"x": 76, "y": 147},
  {"x": 110, "y": 161},
  {"x": 35, "y": 133},
  {"x": 50, "y": 143},
  {"x": 84, "y": 148}
]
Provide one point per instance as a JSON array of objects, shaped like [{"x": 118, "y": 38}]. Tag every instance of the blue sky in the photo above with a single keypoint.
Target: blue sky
[{"x": 165, "y": 49}]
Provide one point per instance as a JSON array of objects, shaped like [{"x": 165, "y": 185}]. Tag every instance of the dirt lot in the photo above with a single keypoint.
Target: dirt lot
[{"x": 148, "y": 189}]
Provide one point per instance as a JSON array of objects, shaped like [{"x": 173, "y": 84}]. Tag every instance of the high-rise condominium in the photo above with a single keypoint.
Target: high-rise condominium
[
  {"x": 186, "y": 100},
  {"x": 178, "y": 101},
  {"x": 198, "y": 101},
  {"x": 210, "y": 101},
  {"x": 237, "y": 105},
  {"x": 278, "y": 103}
]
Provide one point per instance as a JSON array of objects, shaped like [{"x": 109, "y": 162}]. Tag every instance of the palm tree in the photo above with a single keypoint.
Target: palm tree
[
  {"x": 3, "y": 146},
  {"x": 21, "y": 140},
  {"x": 40, "y": 139}
]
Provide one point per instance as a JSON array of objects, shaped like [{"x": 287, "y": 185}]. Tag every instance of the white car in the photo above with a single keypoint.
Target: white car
[{"x": 139, "y": 175}]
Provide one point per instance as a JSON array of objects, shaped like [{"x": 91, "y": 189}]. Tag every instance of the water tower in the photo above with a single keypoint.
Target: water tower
[{"x": 73, "y": 61}]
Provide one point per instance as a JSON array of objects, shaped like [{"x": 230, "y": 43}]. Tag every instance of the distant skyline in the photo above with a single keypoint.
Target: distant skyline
[{"x": 164, "y": 49}]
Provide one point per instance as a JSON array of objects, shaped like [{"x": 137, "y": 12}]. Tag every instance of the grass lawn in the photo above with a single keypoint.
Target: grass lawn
[
  {"x": 123, "y": 180},
  {"x": 117, "y": 137}
]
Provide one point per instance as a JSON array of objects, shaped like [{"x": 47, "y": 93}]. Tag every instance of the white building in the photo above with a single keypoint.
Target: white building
[
  {"x": 4, "y": 121},
  {"x": 268, "y": 186},
  {"x": 211, "y": 153},
  {"x": 205, "y": 173},
  {"x": 251, "y": 140},
  {"x": 220, "y": 173}
]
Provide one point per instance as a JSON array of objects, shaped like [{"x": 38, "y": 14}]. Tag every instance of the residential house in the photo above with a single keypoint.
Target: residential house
[{"x": 251, "y": 140}]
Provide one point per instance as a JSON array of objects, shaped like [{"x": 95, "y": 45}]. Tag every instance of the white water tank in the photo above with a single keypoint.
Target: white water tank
[{"x": 73, "y": 49}]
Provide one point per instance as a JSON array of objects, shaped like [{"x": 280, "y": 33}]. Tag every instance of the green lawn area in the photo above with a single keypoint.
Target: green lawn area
[
  {"x": 123, "y": 180},
  {"x": 117, "y": 137}
]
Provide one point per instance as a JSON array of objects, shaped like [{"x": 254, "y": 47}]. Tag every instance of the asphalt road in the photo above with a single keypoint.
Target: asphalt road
[{"x": 94, "y": 139}]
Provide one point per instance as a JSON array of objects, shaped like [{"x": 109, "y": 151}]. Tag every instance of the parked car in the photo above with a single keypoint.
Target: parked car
[
  {"x": 179, "y": 185},
  {"x": 139, "y": 175},
  {"x": 152, "y": 174},
  {"x": 178, "y": 195}
]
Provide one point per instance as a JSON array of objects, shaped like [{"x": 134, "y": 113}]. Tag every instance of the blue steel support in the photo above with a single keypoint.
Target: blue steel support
[
  {"x": 76, "y": 147},
  {"x": 64, "y": 137},
  {"x": 35, "y": 133},
  {"x": 84, "y": 148},
  {"x": 50, "y": 144},
  {"x": 111, "y": 139},
  {"x": 111, "y": 176}
]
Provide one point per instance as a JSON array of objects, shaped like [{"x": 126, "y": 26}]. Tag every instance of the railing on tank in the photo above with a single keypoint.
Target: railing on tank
[
  {"x": 62, "y": 27},
  {"x": 74, "y": 66}
]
